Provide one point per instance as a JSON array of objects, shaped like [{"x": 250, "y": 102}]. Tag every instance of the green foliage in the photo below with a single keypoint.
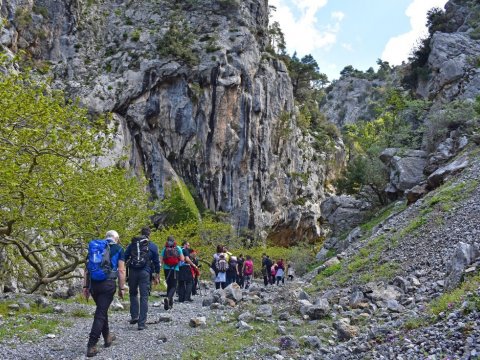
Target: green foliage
[
  {"x": 415, "y": 323},
  {"x": 23, "y": 17},
  {"x": 451, "y": 300},
  {"x": 457, "y": 114},
  {"x": 366, "y": 140},
  {"x": 26, "y": 324},
  {"x": 177, "y": 42},
  {"x": 223, "y": 338},
  {"x": 449, "y": 194},
  {"x": 136, "y": 35},
  {"x": 54, "y": 197},
  {"x": 331, "y": 270},
  {"x": 178, "y": 204}
]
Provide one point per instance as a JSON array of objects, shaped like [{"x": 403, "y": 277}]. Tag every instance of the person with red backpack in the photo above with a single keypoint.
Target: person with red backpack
[
  {"x": 185, "y": 275},
  {"x": 171, "y": 256}
]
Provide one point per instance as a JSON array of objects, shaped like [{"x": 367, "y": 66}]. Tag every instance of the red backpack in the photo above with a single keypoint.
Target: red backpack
[{"x": 171, "y": 256}]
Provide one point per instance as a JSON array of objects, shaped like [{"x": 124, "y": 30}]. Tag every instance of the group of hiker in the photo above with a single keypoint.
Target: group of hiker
[
  {"x": 229, "y": 269},
  {"x": 139, "y": 265},
  {"x": 275, "y": 271}
]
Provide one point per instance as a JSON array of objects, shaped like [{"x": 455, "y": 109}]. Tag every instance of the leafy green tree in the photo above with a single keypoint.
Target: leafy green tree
[
  {"x": 53, "y": 198},
  {"x": 178, "y": 205},
  {"x": 277, "y": 39}
]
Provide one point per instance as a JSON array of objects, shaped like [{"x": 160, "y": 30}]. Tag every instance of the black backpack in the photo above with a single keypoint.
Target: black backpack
[{"x": 139, "y": 252}]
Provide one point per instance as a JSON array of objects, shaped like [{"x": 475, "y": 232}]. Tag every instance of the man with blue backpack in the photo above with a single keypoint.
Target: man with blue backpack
[
  {"x": 142, "y": 259},
  {"x": 105, "y": 263}
]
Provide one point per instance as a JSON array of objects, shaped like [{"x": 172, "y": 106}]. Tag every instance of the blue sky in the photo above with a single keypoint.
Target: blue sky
[{"x": 352, "y": 32}]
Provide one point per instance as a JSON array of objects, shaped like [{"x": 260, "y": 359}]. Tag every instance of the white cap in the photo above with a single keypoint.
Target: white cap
[{"x": 112, "y": 234}]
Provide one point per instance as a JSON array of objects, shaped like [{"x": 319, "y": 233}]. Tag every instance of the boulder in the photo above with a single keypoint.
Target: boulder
[
  {"x": 344, "y": 212},
  {"x": 234, "y": 292},
  {"x": 463, "y": 256},
  {"x": 264, "y": 311},
  {"x": 199, "y": 321},
  {"x": 438, "y": 177},
  {"x": 345, "y": 331},
  {"x": 319, "y": 310},
  {"x": 415, "y": 193},
  {"x": 405, "y": 166}
]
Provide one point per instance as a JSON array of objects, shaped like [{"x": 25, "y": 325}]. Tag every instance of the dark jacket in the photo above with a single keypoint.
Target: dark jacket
[{"x": 152, "y": 266}]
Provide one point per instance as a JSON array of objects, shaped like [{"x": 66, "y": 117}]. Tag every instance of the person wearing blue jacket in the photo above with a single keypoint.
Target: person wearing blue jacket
[{"x": 142, "y": 259}]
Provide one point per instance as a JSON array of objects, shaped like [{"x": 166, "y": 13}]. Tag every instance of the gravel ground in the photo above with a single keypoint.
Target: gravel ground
[{"x": 159, "y": 340}]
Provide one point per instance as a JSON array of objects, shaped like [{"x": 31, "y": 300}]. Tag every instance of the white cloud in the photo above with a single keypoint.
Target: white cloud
[
  {"x": 347, "y": 46},
  {"x": 398, "y": 48},
  {"x": 302, "y": 33}
]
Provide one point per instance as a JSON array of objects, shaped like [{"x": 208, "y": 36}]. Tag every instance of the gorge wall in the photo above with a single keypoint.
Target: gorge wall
[{"x": 194, "y": 95}]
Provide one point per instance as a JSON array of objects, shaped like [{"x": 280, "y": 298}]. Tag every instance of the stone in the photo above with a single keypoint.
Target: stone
[
  {"x": 165, "y": 318},
  {"x": 345, "y": 331},
  {"x": 319, "y": 310},
  {"x": 246, "y": 316},
  {"x": 234, "y": 292},
  {"x": 438, "y": 177},
  {"x": 463, "y": 256},
  {"x": 243, "y": 326},
  {"x": 116, "y": 305},
  {"x": 264, "y": 311},
  {"x": 200, "y": 321}
]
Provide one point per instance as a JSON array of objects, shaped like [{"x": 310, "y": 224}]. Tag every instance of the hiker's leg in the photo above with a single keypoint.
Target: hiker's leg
[
  {"x": 217, "y": 285},
  {"x": 144, "y": 285},
  {"x": 172, "y": 284},
  {"x": 181, "y": 291},
  {"x": 133, "y": 278},
  {"x": 101, "y": 293},
  {"x": 188, "y": 289},
  {"x": 110, "y": 296}
]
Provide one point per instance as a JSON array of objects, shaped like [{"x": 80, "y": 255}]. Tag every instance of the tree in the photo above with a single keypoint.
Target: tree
[
  {"x": 305, "y": 75},
  {"x": 53, "y": 198},
  {"x": 277, "y": 39}
]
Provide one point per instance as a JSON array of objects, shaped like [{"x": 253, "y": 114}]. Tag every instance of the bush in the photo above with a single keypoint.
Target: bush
[{"x": 457, "y": 115}]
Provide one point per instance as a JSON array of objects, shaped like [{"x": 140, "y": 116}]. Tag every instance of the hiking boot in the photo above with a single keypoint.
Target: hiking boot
[
  {"x": 92, "y": 351},
  {"x": 109, "y": 340},
  {"x": 165, "y": 304},
  {"x": 170, "y": 302},
  {"x": 133, "y": 321},
  {"x": 142, "y": 327}
]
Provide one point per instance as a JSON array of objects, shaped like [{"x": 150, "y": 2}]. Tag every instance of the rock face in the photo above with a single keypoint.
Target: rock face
[
  {"x": 406, "y": 168},
  {"x": 194, "y": 97},
  {"x": 344, "y": 212}
]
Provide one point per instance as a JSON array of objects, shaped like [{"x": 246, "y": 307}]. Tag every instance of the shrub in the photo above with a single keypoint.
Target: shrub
[
  {"x": 455, "y": 115},
  {"x": 177, "y": 42}
]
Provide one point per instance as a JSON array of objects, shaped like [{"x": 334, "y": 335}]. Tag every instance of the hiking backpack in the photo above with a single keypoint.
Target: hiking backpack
[
  {"x": 233, "y": 264},
  {"x": 139, "y": 252},
  {"x": 171, "y": 255},
  {"x": 221, "y": 263},
  {"x": 248, "y": 267},
  {"x": 99, "y": 264}
]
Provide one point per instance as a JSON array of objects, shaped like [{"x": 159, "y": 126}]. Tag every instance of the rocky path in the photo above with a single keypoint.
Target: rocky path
[{"x": 160, "y": 340}]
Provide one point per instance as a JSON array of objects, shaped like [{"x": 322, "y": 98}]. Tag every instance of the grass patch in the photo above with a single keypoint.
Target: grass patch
[
  {"x": 451, "y": 300},
  {"x": 80, "y": 313},
  {"x": 223, "y": 340},
  {"x": 26, "y": 324},
  {"x": 381, "y": 215},
  {"x": 449, "y": 194},
  {"x": 415, "y": 323}
]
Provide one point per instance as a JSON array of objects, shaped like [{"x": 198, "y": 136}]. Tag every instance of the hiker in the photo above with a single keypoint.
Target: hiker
[
  {"x": 102, "y": 291},
  {"x": 142, "y": 259},
  {"x": 248, "y": 271},
  {"x": 185, "y": 275},
  {"x": 240, "y": 275},
  {"x": 290, "y": 271},
  {"x": 220, "y": 266},
  {"x": 266, "y": 270},
  {"x": 280, "y": 272},
  {"x": 171, "y": 255},
  {"x": 273, "y": 272},
  {"x": 196, "y": 270},
  {"x": 231, "y": 273}
]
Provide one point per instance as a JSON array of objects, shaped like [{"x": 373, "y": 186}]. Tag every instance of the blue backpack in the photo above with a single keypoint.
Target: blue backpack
[{"x": 99, "y": 264}]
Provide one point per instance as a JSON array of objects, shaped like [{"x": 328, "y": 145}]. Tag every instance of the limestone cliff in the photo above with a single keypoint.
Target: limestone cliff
[{"x": 194, "y": 96}]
